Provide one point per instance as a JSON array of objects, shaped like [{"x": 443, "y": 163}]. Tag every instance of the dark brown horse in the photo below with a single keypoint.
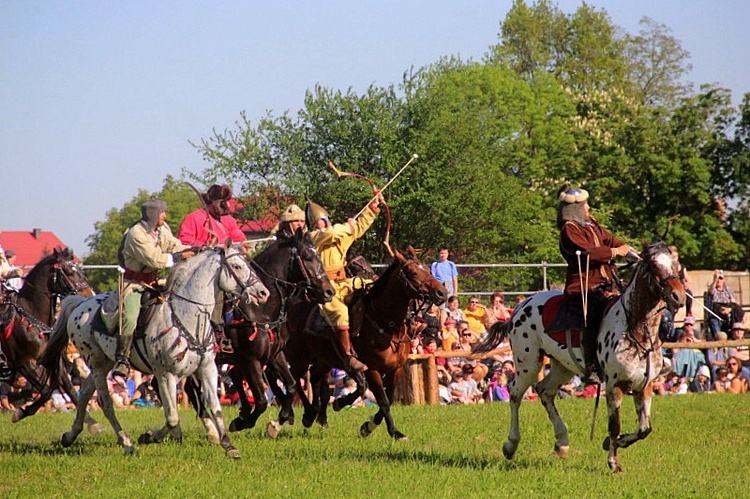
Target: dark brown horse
[
  {"x": 292, "y": 271},
  {"x": 382, "y": 342},
  {"x": 27, "y": 316}
]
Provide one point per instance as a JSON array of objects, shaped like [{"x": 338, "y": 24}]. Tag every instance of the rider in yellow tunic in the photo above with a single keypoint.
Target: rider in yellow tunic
[{"x": 332, "y": 243}]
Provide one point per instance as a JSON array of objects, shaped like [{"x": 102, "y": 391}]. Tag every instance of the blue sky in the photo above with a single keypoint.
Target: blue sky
[{"x": 99, "y": 99}]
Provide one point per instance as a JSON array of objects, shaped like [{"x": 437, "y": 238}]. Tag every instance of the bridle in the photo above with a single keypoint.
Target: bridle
[
  {"x": 252, "y": 280},
  {"x": 407, "y": 283}
]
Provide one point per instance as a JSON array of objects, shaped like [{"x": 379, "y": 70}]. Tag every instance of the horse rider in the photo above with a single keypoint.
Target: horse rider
[
  {"x": 145, "y": 248},
  {"x": 209, "y": 225},
  {"x": 589, "y": 250},
  {"x": 7, "y": 272},
  {"x": 332, "y": 242},
  {"x": 291, "y": 219}
]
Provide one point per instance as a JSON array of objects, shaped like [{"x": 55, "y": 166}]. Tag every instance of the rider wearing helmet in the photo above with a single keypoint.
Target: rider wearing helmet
[
  {"x": 587, "y": 246},
  {"x": 145, "y": 248},
  {"x": 332, "y": 242},
  {"x": 291, "y": 219}
]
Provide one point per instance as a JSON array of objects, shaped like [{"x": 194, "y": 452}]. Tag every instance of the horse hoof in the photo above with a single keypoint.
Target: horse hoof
[
  {"x": 562, "y": 451},
  {"x": 605, "y": 444},
  {"x": 67, "y": 440},
  {"x": 616, "y": 468},
  {"x": 273, "y": 429},
  {"x": 307, "y": 423},
  {"x": 233, "y": 453},
  {"x": 146, "y": 438},
  {"x": 366, "y": 429},
  {"x": 18, "y": 415},
  {"x": 95, "y": 428},
  {"x": 400, "y": 437},
  {"x": 509, "y": 450},
  {"x": 128, "y": 450}
]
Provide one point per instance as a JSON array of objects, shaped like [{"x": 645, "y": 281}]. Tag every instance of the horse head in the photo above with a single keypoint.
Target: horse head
[
  {"x": 417, "y": 278},
  {"x": 238, "y": 277},
  {"x": 662, "y": 274},
  {"x": 68, "y": 277},
  {"x": 307, "y": 269}
]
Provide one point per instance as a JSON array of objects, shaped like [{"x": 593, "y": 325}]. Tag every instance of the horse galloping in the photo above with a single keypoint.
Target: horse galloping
[
  {"x": 628, "y": 351},
  {"x": 177, "y": 342},
  {"x": 382, "y": 343},
  {"x": 291, "y": 269},
  {"x": 28, "y": 315}
]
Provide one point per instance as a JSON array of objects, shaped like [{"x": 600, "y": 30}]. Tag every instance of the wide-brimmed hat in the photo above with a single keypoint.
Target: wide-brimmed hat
[{"x": 739, "y": 325}]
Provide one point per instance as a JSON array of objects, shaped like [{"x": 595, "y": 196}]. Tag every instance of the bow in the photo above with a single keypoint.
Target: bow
[{"x": 341, "y": 174}]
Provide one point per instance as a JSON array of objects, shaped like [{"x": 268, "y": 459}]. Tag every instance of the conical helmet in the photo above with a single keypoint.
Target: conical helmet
[{"x": 313, "y": 213}]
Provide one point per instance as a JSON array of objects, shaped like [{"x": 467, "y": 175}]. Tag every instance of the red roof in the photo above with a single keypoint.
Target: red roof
[{"x": 31, "y": 246}]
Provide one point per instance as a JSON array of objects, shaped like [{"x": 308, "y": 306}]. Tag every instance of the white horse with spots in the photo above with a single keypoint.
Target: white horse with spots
[
  {"x": 178, "y": 341},
  {"x": 627, "y": 349}
]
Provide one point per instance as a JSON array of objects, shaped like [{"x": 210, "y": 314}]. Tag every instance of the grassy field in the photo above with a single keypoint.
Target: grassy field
[{"x": 698, "y": 448}]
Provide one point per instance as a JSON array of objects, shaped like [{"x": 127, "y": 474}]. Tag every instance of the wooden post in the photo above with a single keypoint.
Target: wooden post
[{"x": 431, "y": 395}]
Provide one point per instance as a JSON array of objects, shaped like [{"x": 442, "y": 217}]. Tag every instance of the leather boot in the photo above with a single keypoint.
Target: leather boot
[
  {"x": 346, "y": 346},
  {"x": 592, "y": 374},
  {"x": 5, "y": 371},
  {"x": 225, "y": 343},
  {"x": 122, "y": 357}
]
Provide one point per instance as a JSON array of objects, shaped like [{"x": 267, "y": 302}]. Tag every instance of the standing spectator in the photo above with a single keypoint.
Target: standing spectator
[
  {"x": 477, "y": 316},
  {"x": 497, "y": 311},
  {"x": 12, "y": 274},
  {"x": 446, "y": 272},
  {"x": 723, "y": 304},
  {"x": 452, "y": 311},
  {"x": 702, "y": 381}
]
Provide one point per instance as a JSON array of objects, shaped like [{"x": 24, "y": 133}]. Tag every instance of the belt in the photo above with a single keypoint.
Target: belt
[
  {"x": 144, "y": 277},
  {"x": 337, "y": 275}
]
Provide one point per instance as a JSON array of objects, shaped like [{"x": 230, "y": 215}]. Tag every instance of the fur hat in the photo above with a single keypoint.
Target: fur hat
[
  {"x": 217, "y": 192},
  {"x": 292, "y": 213},
  {"x": 573, "y": 196},
  {"x": 571, "y": 206}
]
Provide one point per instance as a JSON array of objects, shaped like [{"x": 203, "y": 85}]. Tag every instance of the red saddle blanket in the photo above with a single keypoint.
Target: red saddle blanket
[{"x": 550, "y": 310}]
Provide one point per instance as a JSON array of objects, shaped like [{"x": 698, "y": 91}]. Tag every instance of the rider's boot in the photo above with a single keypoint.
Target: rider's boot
[
  {"x": 346, "y": 346},
  {"x": 5, "y": 371},
  {"x": 122, "y": 358},
  {"x": 592, "y": 372}
]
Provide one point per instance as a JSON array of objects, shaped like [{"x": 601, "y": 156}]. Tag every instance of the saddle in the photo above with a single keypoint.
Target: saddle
[
  {"x": 106, "y": 318},
  {"x": 317, "y": 324},
  {"x": 559, "y": 316}
]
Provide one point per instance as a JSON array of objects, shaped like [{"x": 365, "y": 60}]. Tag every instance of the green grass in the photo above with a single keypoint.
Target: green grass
[{"x": 696, "y": 449}]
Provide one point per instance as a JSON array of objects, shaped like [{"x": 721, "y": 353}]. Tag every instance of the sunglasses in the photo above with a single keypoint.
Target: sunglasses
[
  {"x": 465, "y": 334},
  {"x": 731, "y": 363}
]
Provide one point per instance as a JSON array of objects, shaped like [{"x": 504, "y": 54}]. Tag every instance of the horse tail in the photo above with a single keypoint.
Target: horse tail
[
  {"x": 51, "y": 359},
  {"x": 496, "y": 334}
]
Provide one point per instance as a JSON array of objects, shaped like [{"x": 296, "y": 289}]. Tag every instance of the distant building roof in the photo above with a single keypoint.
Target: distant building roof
[{"x": 30, "y": 246}]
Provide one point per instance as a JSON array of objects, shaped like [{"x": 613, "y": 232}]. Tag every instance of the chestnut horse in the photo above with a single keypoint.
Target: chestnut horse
[
  {"x": 628, "y": 351},
  {"x": 382, "y": 342}
]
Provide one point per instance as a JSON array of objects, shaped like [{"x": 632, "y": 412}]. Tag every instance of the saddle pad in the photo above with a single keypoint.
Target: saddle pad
[{"x": 550, "y": 310}]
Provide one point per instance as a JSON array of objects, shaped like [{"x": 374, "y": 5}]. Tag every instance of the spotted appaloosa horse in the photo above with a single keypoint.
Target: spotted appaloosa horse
[{"x": 627, "y": 351}]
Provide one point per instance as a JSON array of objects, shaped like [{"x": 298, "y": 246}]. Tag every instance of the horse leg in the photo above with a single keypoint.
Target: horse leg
[
  {"x": 254, "y": 377},
  {"x": 99, "y": 376},
  {"x": 381, "y": 393},
  {"x": 312, "y": 406},
  {"x": 280, "y": 370},
  {"x": 547, "y": 390},
  {"x": 168, "y": 395},
  {"x": 241, "y": 422},
  {"x": 209, "y": 378},
  {"x": 324, "y": 396},
  {"x": 67, "y": 385},
  {"x": 528, "y": 367},
  {"x": 642, "y": 401},
  {"x": 614, "y": 401}
]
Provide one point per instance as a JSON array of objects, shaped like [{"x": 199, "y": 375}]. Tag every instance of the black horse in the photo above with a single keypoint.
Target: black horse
[
  {"x": 26, "y": 318},
  {"x": 292, "y": 271}
]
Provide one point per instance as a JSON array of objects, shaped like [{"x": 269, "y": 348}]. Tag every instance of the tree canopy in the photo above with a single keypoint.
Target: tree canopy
[{"x": 558, "y": 98}]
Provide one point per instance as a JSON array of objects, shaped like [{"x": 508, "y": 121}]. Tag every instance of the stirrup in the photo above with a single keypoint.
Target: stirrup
[
  {"x": 120, "y": 371},
  {"x": 225, "y": 345}
]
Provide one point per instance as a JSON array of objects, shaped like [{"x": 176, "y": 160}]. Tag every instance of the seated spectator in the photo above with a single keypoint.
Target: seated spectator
[
  {"x": 517, "y": 302},
  {"x": 16, "y": 394},
  {"x": 477, "y": 316},
  {"x": 737, "y": 382},
  {"x": 497, "y": 390},
  {"x": 686, "y": 360},
  {"x": 118, "y": 393},
  {"x": 497, "y": 310},
  {"x": 722, "y": 382},
  {"x": 433, "y": 329},
  {"x": 723, "y": 304},
  {"x": 450, "y": 334},
  {"x": 453, "y": 311},
  {"x": 480, "y": 370},
  {"x": 464, "y": 388},
  {"x": 569, "y": 389},
  {"x": 509, "y": 369},
  {"x": 61, "y": 402},
  {"x": 742, "y": 353},
  {"x": 415, "y": 345},
  {"x": 659, "y": 385},
  {"x": 702, "y": 381},
  {"x": 144, "y": 394},
  {"x": 717, "y": 357},
  {"x": 675, "y": 384}
]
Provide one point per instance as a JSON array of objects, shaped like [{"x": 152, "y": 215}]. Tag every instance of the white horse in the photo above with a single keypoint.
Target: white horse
[
  {"x": 628, "y": 351},
  {"x": 178, "y": 342}
]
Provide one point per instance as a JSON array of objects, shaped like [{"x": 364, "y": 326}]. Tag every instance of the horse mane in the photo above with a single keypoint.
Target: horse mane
[
  {"x": 381, "y": 282},
  {"x": 184, "y": 269}
]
